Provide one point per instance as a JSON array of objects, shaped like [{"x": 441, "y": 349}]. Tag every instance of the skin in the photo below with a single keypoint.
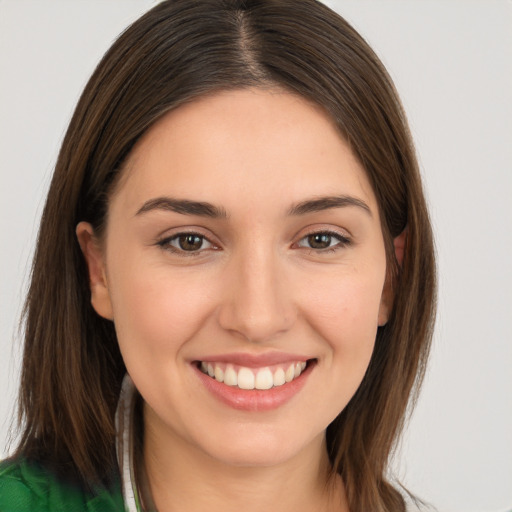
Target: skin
[{"x": 255, "y": 286}]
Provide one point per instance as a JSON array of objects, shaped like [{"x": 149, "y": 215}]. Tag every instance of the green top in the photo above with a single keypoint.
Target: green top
[{"x": 26, "y": 487}]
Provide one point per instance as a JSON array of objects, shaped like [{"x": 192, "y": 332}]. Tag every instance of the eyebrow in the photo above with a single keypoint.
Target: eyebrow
[
  {"x": 183, "y": 206},
  {"x": 326, "y": 203},
  {"x": 204, "y": 209}
]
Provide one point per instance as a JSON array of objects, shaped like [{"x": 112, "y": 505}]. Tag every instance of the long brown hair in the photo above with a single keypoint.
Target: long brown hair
[{"x": 178, "y": 51}]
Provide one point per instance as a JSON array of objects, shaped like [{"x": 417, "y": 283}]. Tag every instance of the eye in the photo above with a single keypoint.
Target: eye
[
  {"x": 323, "y": 240},
  {"x": 186, "y": 242}
]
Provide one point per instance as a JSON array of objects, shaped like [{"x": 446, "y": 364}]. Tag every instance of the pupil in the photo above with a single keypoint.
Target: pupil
[
  {"x": 319, "y": 241},
  {"x": 190, "y": 242}
]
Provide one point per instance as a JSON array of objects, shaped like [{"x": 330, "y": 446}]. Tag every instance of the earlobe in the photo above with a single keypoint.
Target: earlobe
[
  {"x": 400, "y": 243},
  {"x": 387, "y": 299},
  {"x": 94, "y": 257},
  {"x": 384, "y": 308}
]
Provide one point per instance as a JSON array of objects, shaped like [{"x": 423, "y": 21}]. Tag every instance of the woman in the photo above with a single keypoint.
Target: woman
[{"x": 233, "y": 289}]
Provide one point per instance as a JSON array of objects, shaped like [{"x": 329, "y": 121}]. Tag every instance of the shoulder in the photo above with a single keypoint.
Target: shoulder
[{"x": 28, "y": 487}]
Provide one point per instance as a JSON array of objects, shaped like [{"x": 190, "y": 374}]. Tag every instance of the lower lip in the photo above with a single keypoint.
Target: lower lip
[{"x": 254, "y": 399}]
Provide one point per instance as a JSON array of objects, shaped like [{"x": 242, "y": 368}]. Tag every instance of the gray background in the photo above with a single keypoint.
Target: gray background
[{"x": 452, "y": 64}]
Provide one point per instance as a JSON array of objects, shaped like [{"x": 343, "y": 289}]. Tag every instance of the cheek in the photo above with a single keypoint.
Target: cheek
[
  {"x": 344, "y": 312},
  {"x": 348, "y": 302},
  {"x": 156, "y": 311},
  {"x": 342, "y": 315}
]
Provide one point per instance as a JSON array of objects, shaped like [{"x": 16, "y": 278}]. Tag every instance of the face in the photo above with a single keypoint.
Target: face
[{"x": 243, "y": 265}]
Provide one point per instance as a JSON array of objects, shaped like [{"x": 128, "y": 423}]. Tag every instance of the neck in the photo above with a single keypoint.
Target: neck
[{"x": 182, "y": 477}]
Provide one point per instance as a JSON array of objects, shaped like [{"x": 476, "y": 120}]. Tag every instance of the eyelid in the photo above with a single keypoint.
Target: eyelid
[
  {"x": 323, "y": 228},
  {"x": 344, "y": 239},
  {"x": 164, "y": 241}
]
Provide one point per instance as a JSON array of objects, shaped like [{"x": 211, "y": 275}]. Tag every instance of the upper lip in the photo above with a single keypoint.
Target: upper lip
[{"x": 254, "y": 360}]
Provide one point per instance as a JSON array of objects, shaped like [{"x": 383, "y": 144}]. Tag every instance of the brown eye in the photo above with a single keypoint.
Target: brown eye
[
  {"x": 319, "y": 241},
  {"x": 190, "y": 242},
  {"x": 324, "y": 240},
  {"x": 186, "y": 243}
]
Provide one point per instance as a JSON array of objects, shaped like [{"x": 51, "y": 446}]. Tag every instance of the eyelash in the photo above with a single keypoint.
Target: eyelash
[
  {"x": 165, "y": 243},
  {"x": 343, "y": 241}
]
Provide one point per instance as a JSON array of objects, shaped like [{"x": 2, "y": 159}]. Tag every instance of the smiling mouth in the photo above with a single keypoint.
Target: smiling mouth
[{"x": 245, "y": 378}]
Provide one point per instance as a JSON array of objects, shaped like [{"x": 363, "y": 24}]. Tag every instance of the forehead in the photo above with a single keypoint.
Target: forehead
[{"x": 232, "y": 143}]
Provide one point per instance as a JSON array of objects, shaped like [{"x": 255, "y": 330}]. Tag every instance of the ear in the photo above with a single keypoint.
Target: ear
[
  {"x": 399, "y": 243},
  {"x": 94, "y": 257},
  {"x": 386, "y": 302}
]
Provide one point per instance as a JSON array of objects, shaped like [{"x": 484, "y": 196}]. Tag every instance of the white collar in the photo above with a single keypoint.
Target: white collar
[{"x": 125, "y": 445}]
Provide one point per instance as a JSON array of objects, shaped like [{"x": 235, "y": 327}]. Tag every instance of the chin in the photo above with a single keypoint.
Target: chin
[{"x": 259, "y": 448}]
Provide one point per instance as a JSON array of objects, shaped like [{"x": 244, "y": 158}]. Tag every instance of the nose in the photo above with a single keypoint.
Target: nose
[{"x": 257, "y": 300}]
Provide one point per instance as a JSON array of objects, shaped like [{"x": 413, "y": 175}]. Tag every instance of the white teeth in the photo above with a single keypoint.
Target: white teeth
[
  {"x": 264, "y": 379},
  {"x": 219, "y": 374},
  {"x": 290, "y": 373},
  {"x": 245, "y": 378},
  {"x": 249, "y": 378},
  {"x": 279, "y": 377},
  {"x": 230, "y": 376}
]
